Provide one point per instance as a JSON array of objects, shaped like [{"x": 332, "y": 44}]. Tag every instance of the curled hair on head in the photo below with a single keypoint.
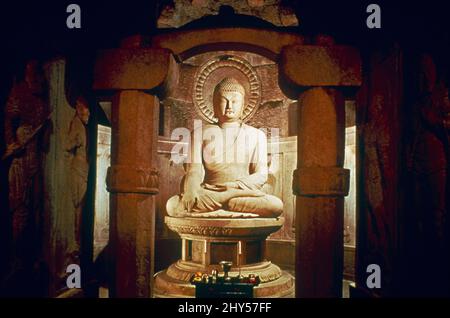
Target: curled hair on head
[{"x": 229, "y": 84}]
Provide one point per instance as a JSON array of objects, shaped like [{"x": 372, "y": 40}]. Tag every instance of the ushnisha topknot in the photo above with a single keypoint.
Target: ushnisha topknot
[{"x": 229, "y": 84}]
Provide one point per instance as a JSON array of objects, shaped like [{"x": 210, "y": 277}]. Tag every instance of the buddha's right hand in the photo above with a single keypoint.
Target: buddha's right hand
[{"x": 189, "y": 199}]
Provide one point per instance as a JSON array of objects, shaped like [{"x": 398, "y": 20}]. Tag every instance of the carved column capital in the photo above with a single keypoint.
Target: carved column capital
[
  {"x": 321, "y": 181},
  {"x": 132, "y": 68},
  {"x": 321, "y": 65},
  {"x": 131, "y": 179}
]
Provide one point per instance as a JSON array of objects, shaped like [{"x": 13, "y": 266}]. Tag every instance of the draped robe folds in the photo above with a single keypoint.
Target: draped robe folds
[{"x": 229, "y": 153}]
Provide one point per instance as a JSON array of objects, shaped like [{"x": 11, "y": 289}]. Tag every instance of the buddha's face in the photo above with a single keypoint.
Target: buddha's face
[{"x": 228, "y": 106}]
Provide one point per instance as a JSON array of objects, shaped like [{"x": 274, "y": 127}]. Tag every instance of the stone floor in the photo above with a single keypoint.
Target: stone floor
[{"x": 103, "y": 292}]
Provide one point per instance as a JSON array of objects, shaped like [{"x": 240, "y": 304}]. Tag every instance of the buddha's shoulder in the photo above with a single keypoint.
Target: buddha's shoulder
[
  {"x": 253, "y": 130},
  {"x": 203, "y": 128},
  {"x": 210, "y": 126}
]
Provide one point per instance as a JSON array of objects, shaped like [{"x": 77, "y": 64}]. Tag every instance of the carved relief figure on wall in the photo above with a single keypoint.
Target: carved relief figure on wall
[
  {"x": 227, "y": 166},
  {"x": 76, "y": 148},
  {"x": 429, "y": 153},
  {"x": 429, "y": 165},
  {"x": 26, "y": 133}
]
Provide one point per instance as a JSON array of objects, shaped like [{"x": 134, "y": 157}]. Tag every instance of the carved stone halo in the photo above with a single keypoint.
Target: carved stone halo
[{"x": 212, "y": 72}]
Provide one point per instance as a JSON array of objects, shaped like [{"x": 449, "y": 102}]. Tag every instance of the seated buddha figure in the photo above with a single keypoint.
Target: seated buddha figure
[{"x": 227, "y": 167}]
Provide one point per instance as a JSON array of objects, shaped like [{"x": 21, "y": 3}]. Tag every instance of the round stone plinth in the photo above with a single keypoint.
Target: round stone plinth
[
  {"x": 211, "y": 227},
  {"x": 206, "y": 242},
  {"x": 174, "y": 282}
]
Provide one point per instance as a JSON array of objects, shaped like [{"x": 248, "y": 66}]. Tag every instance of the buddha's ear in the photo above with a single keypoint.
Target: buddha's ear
[{"x": 214, "y": 102}]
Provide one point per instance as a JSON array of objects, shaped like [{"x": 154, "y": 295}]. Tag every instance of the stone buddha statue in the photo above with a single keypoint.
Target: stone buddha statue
[{"x": 227, "y": 167}]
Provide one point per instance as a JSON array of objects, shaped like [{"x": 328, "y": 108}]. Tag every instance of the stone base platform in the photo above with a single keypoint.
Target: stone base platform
[{"x": 206, "y": 242}]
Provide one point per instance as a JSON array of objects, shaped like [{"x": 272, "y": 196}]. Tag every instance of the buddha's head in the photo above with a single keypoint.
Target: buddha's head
[{"x": 228, "y": 100}]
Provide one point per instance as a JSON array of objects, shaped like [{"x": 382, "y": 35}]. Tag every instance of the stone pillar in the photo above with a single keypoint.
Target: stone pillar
[
  {"x": 133, "y": 182},
  {"x": 320, "y": 182},
  {"x": 132, "y": 178}
]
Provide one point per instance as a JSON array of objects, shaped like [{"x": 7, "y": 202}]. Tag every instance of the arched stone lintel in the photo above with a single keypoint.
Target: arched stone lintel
[
  {"x": 318, "y": 65},
  {"x": 186, "y": 44},
  {"x": 134, "y": 69},
  {"x": 321, "y": 181}
]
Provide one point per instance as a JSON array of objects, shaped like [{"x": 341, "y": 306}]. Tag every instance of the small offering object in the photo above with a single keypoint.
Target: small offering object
[
  {"x": 197, "y": 277},
  {"x": 216, "y": 285},
  {"x": 215, "y": 278},
  {"x": 252, "y": 279}
]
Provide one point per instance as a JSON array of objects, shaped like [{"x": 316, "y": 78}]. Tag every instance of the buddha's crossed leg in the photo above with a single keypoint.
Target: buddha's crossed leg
[
  {"x": 266, "y": 206},
  {"x": 235, "y": 200}
]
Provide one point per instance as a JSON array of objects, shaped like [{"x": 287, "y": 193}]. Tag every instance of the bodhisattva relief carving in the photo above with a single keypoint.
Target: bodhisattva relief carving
[
  {"x": 26, "y": 134},
  {"x": 428, "y": 158},
  {"x": 76, "y": 147}
]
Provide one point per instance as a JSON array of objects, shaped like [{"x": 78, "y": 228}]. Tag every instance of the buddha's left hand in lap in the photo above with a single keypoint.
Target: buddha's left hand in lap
[{"x": 223, "y": 186}]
